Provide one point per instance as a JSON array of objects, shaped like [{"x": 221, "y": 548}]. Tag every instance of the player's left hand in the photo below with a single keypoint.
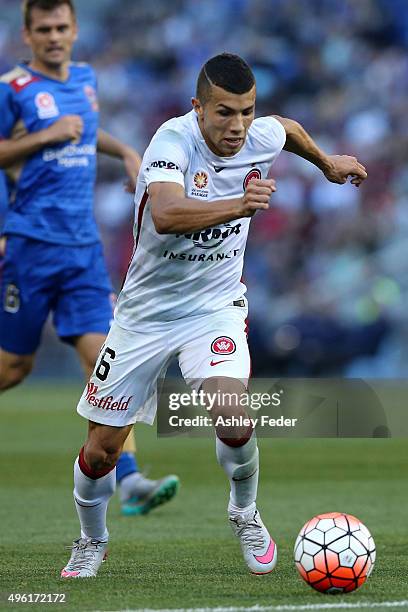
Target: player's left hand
[
  {"x": 340, "y": 167},
  {"x": 132, "y": 162}
]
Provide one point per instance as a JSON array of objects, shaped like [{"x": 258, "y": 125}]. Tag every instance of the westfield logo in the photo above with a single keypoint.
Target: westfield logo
[
  {"x": 105, "y": 403},
  {"x": 91, "y": 389}
]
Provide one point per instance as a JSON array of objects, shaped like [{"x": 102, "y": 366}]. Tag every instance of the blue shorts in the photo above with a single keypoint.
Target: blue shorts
[{"x": 38, "y": 278}]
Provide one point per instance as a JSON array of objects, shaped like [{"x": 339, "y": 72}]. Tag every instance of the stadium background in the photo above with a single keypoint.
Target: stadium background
[{"x": 326, "y": 267}]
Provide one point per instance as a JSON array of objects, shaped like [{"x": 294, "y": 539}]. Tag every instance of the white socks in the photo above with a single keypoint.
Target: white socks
[
  {"x": 241, "y": 465},
  {"x": 91, "y": 500}
]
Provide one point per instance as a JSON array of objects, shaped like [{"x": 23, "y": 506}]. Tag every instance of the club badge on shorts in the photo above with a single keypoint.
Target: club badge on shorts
[{"x": 223, "y": 345}]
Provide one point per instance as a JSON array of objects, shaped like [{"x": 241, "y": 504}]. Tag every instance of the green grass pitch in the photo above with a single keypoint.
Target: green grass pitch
[{"x": 183, "y": 555}]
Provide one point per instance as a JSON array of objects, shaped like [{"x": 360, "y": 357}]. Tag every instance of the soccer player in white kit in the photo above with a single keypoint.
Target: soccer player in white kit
[{"x": 203, "y": 177}]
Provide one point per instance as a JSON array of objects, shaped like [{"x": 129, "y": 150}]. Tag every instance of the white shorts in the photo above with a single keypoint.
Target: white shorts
[{"x": 123, "y": 386}]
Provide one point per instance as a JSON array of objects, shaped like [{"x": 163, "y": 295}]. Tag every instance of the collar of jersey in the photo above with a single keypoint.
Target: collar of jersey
[
  {"x": 206, "y": 150},
  {"x": 25, "y": 66}
]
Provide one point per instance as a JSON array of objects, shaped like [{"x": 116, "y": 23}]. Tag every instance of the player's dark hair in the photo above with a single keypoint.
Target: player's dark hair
[
  {"x": 44, "y": 5},
  {"x": 228, "y": 71}
]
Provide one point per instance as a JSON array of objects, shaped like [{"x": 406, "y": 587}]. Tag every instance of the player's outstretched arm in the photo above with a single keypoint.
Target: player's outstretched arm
[
  {"x": 336, "y": 168},
  {"x": 12, "y": 150},
  {"x": 173, "y": 213},
  {"x": 115, "y": 148}
]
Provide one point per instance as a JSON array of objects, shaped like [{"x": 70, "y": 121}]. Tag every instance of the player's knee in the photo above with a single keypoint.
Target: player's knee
[
  {"x": 101, "y": 457},
  {"x": 14, "y": 371},
  {"x": 88, "y": 364},
  {"x": 235, "y": 435},
  {"x": 88, "y": 347},
  {"x": 232, "y": 425}
]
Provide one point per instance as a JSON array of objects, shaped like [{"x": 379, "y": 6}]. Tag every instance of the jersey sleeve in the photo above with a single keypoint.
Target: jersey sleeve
[
  {"x": 270, "y": 134},
  {"x": 9, "y": 111},
  {"x": 92, "y": 76},
  {"x": 166, "y": 159}
]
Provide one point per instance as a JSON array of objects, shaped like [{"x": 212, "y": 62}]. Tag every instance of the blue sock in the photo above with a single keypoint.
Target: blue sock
[{"x": 126, "y": 465}]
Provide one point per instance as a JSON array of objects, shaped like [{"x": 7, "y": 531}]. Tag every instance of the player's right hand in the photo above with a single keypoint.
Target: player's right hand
[
  {"x": 257, "y": 195},
  {"x": 69, "y": 127}
]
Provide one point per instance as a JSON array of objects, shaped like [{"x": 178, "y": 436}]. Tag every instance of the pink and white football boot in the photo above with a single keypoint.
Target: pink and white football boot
[
  {"x": 86, "y": 557},
  {"x": 259, "y": 550}
]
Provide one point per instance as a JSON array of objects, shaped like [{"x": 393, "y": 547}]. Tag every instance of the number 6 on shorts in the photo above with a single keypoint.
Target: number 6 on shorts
[{"x": 103, "y": 368}]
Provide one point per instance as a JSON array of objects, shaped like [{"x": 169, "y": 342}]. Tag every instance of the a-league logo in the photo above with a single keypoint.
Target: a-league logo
[
  {"x": 223, "y": 345},
  {"x": 201, "y": 179},
  {"x": 46, "y": 105}
]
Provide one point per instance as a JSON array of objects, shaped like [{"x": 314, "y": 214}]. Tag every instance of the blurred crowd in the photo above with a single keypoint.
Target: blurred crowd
[{"x": 327, "y": 265}]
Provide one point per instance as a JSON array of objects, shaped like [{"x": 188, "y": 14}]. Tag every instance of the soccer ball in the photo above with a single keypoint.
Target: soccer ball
[{"x": 334, "y": 553}]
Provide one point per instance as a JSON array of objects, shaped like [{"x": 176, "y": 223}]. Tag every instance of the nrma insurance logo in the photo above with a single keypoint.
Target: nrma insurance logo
[{"x": 214, "y": 236}]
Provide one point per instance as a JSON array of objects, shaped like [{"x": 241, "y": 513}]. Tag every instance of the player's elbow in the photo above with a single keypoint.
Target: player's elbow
[
  {"x": 161, "y": 223},
  {"x": 7, "y": 156},
  {"x": 162, "y": 218},
  {"x": 161, "y": 227},
  {"x": 5, "y": 161}
]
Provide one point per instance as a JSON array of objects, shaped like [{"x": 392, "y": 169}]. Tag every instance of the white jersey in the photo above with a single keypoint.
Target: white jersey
[{"x": 174, "y": 276}]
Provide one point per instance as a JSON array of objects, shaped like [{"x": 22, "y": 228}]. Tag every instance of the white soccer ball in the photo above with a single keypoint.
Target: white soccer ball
[{"x": 334, "y": 553}]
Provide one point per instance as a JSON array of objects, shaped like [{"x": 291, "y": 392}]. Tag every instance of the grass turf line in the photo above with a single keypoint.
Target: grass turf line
[{"x": 183, "y": 555}]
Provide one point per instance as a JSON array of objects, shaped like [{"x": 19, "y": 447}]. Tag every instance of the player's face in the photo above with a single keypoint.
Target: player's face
[
  {"x": 51, "y": 36},
  {"x": 225, "y": 119}
]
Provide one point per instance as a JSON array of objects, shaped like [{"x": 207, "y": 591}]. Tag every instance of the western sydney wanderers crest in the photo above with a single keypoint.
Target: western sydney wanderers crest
[
  {"x": 46, "y": 105},
  {"x": 254, "y": 173},
  {"x": 223, "y": 345}
]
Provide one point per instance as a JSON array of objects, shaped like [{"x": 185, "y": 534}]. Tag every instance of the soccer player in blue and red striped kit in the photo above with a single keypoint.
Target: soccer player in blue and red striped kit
[{"x": 53, "y": 257}]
